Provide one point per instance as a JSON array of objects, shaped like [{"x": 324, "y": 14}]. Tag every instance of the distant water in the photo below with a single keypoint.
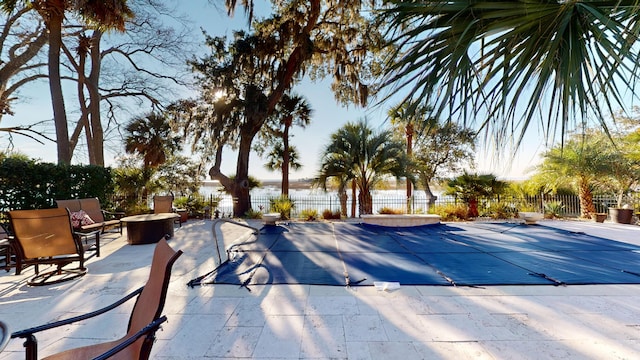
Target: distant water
[
  {"x": 381, "y": 198},
  {"x": 273, "y": 191}
]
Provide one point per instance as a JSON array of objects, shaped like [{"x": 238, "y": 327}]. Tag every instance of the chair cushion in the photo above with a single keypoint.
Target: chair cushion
[{"x": 80, "y": 218}]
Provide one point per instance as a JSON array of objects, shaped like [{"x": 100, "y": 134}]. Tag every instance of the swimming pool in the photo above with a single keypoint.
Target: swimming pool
[{"x": 461, "y": 254}]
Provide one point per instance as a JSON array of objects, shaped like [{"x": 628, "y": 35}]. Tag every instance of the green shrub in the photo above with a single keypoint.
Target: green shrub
[
  {"x": 553, "y": 209},
  {"x": 527, "y": 207},
  {"x": 309, "y": 214},
  {"x": 388, "y": 210},
  {"x": 194, "y": 205},
  {"x": 282, "y": 205},
  {"x": 253, "y": 214},
  {"x": 330, "y": 215},
  {"x": 500, "y": 210},
  {"x": 451, "y": 212}
]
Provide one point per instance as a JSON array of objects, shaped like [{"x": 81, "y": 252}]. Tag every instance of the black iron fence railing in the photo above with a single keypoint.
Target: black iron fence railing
[{"x": 564, "y": 205}]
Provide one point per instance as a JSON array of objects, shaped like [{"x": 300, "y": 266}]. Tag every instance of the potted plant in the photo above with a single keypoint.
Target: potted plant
[
  {"x": 621, "y": 215},
  {"x": 598, "y": 217}
]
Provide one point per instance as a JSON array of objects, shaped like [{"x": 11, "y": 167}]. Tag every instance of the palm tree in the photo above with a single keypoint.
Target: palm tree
[
  {"x": 581, "y": 161},
  {"x": 356, "y": 152},
  {"x": 151, "y": 137},
  {"x": 110, "y": 14},
  {"x": 291, "y": 110},
  {"x": 405, "y": 118},
  {"x": 276, "y": 158},
  {"x": 470, "y": 187},
  {"x": 506, "y": 58}
]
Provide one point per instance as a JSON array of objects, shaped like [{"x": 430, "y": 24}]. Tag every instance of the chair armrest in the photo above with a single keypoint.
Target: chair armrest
[
  {"x": 113, "y": 214},
  {"x": 147, "y": 330},
  {"x": 28, "y": 332},
  {"x": 86, "y": 234}
]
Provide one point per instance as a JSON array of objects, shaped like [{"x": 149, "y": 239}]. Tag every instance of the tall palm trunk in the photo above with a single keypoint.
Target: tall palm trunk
[
  {"x": 586, "y": 198},
  {"x": 353, "y": 198},
  {"x": 55, "y": 86},
  {"x": 285, "y": 157},
  {"x": 409, "y": 133}
]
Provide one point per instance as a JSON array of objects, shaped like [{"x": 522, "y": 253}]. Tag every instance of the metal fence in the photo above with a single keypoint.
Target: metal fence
[{"x": 569, "y": 204}]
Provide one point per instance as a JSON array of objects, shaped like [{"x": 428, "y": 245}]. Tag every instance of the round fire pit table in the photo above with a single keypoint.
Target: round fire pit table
[{"x": 150, "y": 228}]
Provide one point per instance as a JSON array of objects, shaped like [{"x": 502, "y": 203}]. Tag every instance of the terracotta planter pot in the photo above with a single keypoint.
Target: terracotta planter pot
[
  {"x": 598, "y": 217},
  {"x": 621, "y": 216}
]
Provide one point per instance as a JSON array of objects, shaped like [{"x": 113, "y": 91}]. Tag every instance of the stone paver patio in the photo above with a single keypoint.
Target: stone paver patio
[{"x": 323, "y": 322}]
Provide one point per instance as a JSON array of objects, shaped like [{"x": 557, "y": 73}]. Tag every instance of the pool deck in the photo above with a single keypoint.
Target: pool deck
[{"x": 324, "y": 322}]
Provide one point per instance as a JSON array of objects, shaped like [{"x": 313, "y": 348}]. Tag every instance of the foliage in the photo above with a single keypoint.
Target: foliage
[
  {"x": 581, "y": 161},
  {"x": 499, "y": 210},
  {"x": 291, "y": 110},
  {"x": 128, "y": 181},
  {"x": 29, "y": 184},
  {"x": 195, "y": 205},
  {"x": 553, "y": 209},
  {"x": 527, "y": 207},
  {"x": 282, "y": 205},
  {"x": 151, "y": 137},
  {"x": 470, "y": 187},
  {"x": 253, "y": 214},
  {"x": 275, "y": 158},
  {"x": 357, "y": 152},
  {"x": 451, "y": 212},
  {"x": 309, "y": 214},
  {"x": 439, "y": 148},
  {"x": 180, "y": 175},
  {"x": 244, "y": 78},
  {"x": 391, "y": 211},
  {"x": 331, "y": 215},
  {"x": 506, "y": 58}
]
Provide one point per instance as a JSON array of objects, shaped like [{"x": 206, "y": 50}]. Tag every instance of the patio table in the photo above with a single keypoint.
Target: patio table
[{"x": 149, "y": 228}]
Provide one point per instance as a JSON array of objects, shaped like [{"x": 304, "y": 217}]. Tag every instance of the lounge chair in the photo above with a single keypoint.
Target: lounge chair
[
  {"x": 45, "y": 237},
  {"x": 164, "y": 204},
  {"x": 144, "y": 320}
]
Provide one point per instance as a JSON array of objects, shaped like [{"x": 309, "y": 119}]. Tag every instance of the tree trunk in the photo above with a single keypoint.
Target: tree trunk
[
  {"x": 473, "y": 208},
  {"x": 586, "y": 199},
  {"x": 431, "y": 199},
  {"x": 409, "y": 133},
  {"x": 55, "y": 86},
  {"x": 95, "y": 119},
  {"x": 241, "y": 198},
  {"x": 342, "y": 195},
  {"x": 353, "y": 198},
  {"x": 285, "y": 160},
  {"x": 366, "y": 201}
]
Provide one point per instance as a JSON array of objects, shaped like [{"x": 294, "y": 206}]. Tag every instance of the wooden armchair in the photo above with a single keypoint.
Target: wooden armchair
[
  {"x": 45, "y": 237},
  {"x": 144, "y": 320}
]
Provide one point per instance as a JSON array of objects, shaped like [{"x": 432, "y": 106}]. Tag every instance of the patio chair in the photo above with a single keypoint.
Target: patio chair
[
  {"x": 45, "y": 237},
  {"x": 5, "y": 247},
  {"x": 144, "y": 320},
  {"x": 164, "y": 204}
]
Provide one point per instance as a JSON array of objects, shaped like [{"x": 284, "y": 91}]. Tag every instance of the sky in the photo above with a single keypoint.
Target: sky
[{"x": 328, "y": 116}]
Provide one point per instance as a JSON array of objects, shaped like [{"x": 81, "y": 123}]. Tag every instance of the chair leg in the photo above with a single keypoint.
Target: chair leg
[{"x": 31, "y": 348}]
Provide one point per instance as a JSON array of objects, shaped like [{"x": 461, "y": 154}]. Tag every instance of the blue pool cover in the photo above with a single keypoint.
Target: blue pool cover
[{"x": 465, "y": 254}]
